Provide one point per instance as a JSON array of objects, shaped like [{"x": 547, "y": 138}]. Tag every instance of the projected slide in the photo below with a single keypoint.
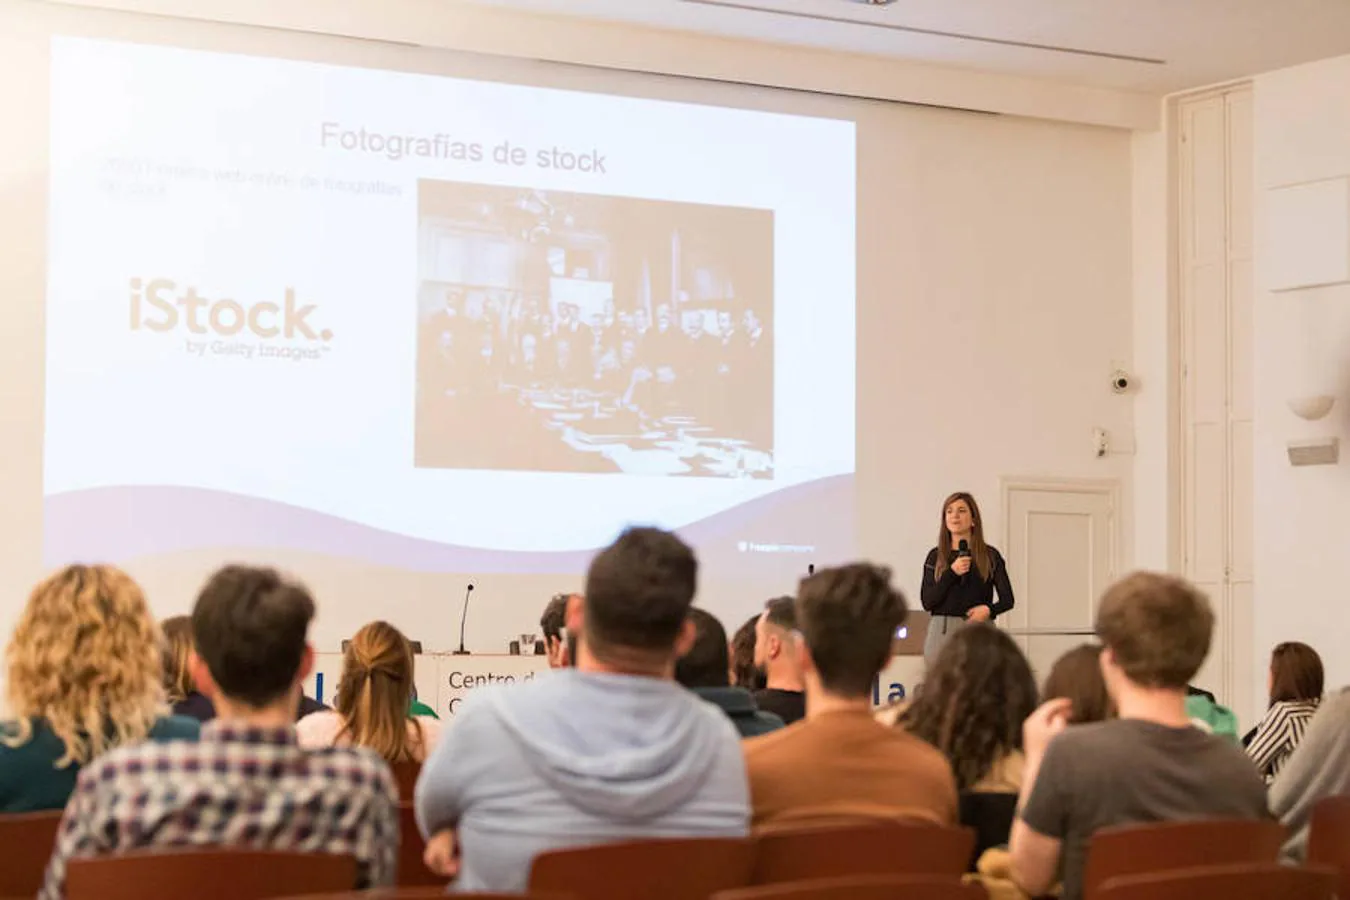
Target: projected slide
[{"x": 439, "y": 324}]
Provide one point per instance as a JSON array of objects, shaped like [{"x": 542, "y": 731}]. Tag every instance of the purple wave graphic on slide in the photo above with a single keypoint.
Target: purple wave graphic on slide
[{"x": 122, "y": 523}]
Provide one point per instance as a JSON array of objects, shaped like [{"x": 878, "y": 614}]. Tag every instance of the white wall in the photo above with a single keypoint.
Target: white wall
[
  {"x": 1302, "y": 133},
  {"x": 995, "y": 295},
  {"x": 1154, "y": 364}
]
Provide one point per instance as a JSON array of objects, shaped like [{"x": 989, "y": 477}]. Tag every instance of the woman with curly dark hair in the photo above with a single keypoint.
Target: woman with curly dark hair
[{"x": 975, "y": 697}]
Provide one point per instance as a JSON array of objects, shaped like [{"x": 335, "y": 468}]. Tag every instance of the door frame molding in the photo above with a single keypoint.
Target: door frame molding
[{"x": 1107, "y": 487}]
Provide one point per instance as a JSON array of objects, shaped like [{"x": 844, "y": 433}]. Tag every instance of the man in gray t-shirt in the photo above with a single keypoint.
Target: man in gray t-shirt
[
  {"x": 1151, "y": 764},
  {"x": 1129, "y": 771}
]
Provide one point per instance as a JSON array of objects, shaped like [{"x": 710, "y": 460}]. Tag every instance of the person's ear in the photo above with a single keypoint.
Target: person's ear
[
  {"x": 685, "y": 641},
  {"x": 575, "y": 614},
  {"x": 201, "y": 675}
]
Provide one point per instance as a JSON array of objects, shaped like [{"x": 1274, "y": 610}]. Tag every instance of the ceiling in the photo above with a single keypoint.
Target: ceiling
[{"x": 1154, "y": 46}]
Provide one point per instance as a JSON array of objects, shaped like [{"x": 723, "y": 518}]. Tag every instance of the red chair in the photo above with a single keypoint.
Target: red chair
[
  {"x": 1250, "y": 881},
  {"x": 412, "y": 871},
  {"x": 691, "y": 869},
  {"x": 868, "y": 887},
  {"x": 427, "y": 894},
  {"x": 28, "y": 840},
  {"x": 890, "y": 848},
  {"x": 1329, "y": 838},
  {"x": 208, "y": 875},
  {"x": 1167, "y": 846}
]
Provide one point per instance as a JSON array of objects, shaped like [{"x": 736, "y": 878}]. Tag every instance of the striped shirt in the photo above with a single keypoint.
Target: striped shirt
[
  {"x": 238, "y": 786},
  {"x": 1279, "y": 732}
]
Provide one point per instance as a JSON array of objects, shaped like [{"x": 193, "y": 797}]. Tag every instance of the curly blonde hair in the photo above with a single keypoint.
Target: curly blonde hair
[{"x": 85, "y": 657}]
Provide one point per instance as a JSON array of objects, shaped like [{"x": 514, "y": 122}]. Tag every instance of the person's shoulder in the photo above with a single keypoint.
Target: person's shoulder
[
  {"x": 931, "y": 558},
  {"x": 132, "y": 761},
  {"x": 356, "y": 768},
  {"x": 914, "y": 750},
  {"x": 766, "y": 747},
  {"x": 1084, "y": 741},
  {"x": 994, "y": 552},
  {"x": 175, "y": 728}
]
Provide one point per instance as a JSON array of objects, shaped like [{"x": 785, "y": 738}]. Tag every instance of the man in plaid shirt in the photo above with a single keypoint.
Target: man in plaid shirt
[{"x": 245, "y": 784}]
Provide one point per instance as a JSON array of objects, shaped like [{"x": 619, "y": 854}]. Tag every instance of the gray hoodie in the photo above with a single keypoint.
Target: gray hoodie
[
  {"x": 1318, "y": 768},
  {"x": 574, "y": 758}
]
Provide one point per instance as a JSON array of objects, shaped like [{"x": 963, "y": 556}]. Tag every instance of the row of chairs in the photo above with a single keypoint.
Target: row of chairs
[{"x": 681, "y": 869}]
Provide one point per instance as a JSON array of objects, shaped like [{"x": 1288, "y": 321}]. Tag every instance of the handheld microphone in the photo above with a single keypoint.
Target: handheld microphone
[
  {"x": 463, "y": 617},
  {"x": 811, "y": 569},
  {"x": 963, "y": 549}
]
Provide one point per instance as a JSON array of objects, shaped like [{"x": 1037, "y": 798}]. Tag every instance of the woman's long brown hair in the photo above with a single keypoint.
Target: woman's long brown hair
[
  {"x": 979, "y": 550},
  {"x": 1295, "y": 673},
  {"x": 376, "y": 693},
  {"x": 177, "y": 647}
]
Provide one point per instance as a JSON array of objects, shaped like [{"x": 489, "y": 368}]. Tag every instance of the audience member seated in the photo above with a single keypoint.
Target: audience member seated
[
  {"x": 245, "y": 783},
  {"x": 558, "y": 643},
  {"x": 1148, "y": 765},
  {"x": 1295, "y": 692},
  {"x": 744, "y": 673},
  {"x": 839, "y": 763},
  {"x": 183, "y": 694},
  {"x": 1317, "y": 769},
  {"x": 783, "y": 692},
  {"x": 1077, "y": 677},
  {"x": 84, "y": 676},
  {"x": 705, "y": 671},
  {"x": 1209, "y": 715},
  {"x": 417, "y": 708},
  {"x": 610, "y": 750},
  {"x": 374, "y": 701},
  {"x": 974, "y": 700}
]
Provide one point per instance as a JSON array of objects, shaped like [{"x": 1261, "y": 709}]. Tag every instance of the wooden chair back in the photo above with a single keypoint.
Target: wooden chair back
[
  {"x": 804, "y": 853},
  {"x": 1165, "y": 846},
  {"x": 686, "y": 869},
  {"x": 866, "y": 887},
  {"x": 1329, "y": 838},
  {"x": 27, "y": 840},
  {"x": 1247, "y": 881},
  {"x": 426, "y": 894},
  {"x": 405, "y": 775},
  {"x": 412, "y": 871},
  {"x": 208, "y": 875}
]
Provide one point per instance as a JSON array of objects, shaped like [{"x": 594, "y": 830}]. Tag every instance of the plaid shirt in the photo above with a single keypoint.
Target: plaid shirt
[{"x": 238, "y": 786}]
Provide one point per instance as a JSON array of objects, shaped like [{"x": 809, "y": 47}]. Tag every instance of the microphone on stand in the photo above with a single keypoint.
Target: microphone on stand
[{"x": 463, "y": 617}]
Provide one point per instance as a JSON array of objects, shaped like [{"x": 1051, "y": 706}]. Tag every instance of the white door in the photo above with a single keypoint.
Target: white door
[
  {"x": 1061, "y": 549},
  {"x": 1216, "y": 301}
]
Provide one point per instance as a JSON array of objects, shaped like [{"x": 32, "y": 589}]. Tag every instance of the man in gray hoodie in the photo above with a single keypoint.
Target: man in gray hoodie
[
  {"x": 610, "y": 750},
  {"x": 1318, "y": 768}
]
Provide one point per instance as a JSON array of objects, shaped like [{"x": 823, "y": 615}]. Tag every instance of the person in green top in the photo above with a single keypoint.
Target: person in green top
[
  {"x": 418, "y": 708},
  {"x": 84, "y": 675}
]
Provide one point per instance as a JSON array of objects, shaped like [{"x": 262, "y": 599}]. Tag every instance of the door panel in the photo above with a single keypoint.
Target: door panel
[{"x": 1062, "y": 550}]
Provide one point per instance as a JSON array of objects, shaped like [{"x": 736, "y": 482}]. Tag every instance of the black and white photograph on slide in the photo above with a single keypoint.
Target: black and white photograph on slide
[{"x": 568, "y": 332}]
